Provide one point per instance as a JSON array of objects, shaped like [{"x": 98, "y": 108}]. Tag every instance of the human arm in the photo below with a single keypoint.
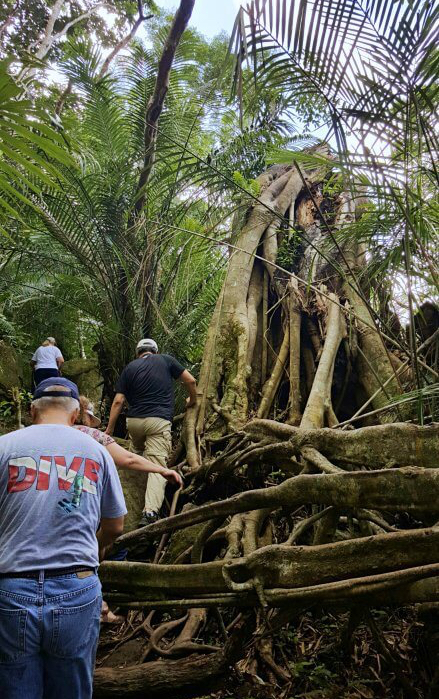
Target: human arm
[
  {"x": 177, "y": 371},
  {"x": 134, "y": 462},
  {"x": 58, "y": 357},
  {"x": 113, "y": 508},
  {"x": 109, "y": 529},
  {"x": 33, "y": 361},
  {"x": 190, "y": 385},
  {"x": 118, "y": 403}
]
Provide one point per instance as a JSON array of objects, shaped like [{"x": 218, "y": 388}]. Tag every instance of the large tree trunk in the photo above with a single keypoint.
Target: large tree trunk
[
  {"x": 311, "y": 311},
  {"x": 292, "y": 351}
]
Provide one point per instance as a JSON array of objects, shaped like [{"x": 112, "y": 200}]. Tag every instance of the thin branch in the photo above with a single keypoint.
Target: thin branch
[
  {"x": 71, "y": 24},
  {"x": 124, "y": 41}
]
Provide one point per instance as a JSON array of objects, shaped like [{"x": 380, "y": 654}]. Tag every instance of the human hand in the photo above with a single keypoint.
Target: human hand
[
  {"x": 190, "y": 402},
  {"x": 173, "y": 477}
]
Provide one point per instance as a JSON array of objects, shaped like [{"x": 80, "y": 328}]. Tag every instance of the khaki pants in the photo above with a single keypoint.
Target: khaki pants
[{"x": 151, "y": 438}]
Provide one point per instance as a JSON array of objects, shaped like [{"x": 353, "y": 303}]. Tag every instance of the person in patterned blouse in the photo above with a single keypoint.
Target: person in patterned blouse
[{"x": 89, "y": 423}]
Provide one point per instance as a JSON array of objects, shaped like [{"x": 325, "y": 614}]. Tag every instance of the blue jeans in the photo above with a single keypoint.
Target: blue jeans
[{"x": 49, "y": 630}]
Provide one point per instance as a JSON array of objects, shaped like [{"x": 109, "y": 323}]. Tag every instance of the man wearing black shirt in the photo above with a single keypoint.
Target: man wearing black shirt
[{"x": 146, "y": 384}]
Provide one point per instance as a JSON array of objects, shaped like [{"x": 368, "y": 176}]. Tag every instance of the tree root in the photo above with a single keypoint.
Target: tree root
[
  {"x": 265, "y": 650},
  {"x": 234, "y": 531},
  {"x": 189, "y": 438},
  {"x": 280, "y": 566},
  {"x": 175, "y": 677},
  {"x": 272, "y": 384},
  {"x": 319, "y": 461},
  {"x": 183, "y": 644},
  {"x": 144, "y": 626},
  {"x": 157, "y": 634},
  {"x": 203, "y": 537},
  {"x": 305, "y": 524},
  {"x": 402, "y": 489},
  {"x": 294, "y": 412},
  {"x": 414, "y": 585},
  {"x": 379, "y": 446},
  {"x": 320, "y": 395},
  {"x": 355, "y": 618},
  {"x": 278, "y": 453},
  {"x": 253, "y": 522}
]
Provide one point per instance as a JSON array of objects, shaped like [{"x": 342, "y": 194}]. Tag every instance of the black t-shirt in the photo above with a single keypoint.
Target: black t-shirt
[{"x": 147, "y": 385}]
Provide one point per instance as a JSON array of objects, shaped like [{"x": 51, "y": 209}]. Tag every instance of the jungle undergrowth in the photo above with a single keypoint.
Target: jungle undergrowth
[{"x": 319, "y": 667}]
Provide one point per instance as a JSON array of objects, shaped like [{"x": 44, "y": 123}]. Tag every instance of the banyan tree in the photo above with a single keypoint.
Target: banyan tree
[
  {"x": 311, "y": 456},
  {"x": 294, "y": 362}
]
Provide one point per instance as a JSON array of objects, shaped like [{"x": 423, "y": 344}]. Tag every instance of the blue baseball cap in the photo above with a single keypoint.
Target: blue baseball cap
[{"x": 71, "y": 389}]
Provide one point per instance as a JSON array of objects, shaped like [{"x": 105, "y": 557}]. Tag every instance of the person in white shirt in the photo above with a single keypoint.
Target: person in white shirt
[{"x": 46, "y": 361}]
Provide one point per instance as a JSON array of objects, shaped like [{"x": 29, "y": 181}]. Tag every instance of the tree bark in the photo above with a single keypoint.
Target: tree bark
[
  {"x": 397, "y": 490},
  {"x": 156, "y": 102},
  {"x": 290, "y": 342},
  {"x": 124, "y": 41},
  {"x": 176, "y": 678}
]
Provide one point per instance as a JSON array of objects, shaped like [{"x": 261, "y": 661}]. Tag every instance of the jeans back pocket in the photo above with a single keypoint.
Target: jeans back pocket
[
  {"x": 74, "y": 628},
  {"x": 12, "y": 634}
]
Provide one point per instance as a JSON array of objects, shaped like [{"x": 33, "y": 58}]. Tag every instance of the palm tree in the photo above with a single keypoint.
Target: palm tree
[
  {"x": 31, "y": 153},
  {"x": 125, "y": 263}
]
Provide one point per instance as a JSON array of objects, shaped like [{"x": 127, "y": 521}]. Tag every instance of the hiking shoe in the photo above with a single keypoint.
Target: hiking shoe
[{"x": 148, "y": 518}]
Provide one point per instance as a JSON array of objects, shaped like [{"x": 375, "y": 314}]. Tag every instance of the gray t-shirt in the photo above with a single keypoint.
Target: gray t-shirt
[{"x": 55, "y": 485}]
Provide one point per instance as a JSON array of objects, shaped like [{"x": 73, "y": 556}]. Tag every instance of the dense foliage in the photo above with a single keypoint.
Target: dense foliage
[
  {"x": 78, "y": 263},
  {"x": 268, "y": 212}
]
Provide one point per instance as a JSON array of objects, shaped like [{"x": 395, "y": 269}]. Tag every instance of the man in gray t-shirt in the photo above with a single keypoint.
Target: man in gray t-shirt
[{"x": 60, "y": 503}]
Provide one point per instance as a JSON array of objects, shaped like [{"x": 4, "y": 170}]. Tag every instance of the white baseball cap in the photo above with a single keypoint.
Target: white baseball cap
[
  {"x": 147, "y": 345},
  {"x": 95, "y": 421}
]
